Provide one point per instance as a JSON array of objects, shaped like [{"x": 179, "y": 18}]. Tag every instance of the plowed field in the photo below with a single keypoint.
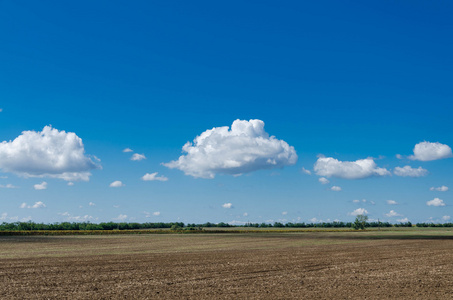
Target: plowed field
[{"x": 320, "y": 265}]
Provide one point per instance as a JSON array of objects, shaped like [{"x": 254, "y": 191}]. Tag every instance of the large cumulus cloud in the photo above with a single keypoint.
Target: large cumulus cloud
[
  {"x": 244, "y": 148},
  {"x": 361, "y": 168},
  {"x": 47, "y": 153}
]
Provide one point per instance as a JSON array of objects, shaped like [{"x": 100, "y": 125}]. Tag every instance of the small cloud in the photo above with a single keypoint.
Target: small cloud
[
  {"x": 245, "y": 214},
  {"x": 91, "y": 204},
  {"x": 236, "y": 222},
  {"x": 446, "y": 218},
  {"x": 361, "y": 168},
  {"x": 404, "y": 220},
  {"x": 1, "y": 109},
  {"x": 4, "y": 217},
  {"x": 359, "y": 211},
  {"x": 436, "y": 202},
  {"x": 70, "y": 183},
  {"x": 81, "y": 218},
  {"x": 305, "y": 171},
  {"x": 356, "y": 201},
  {"x": 392, "y": 202},
  {"x": 314, "y": 220},
  {"x": 393, "y": 213},
  {"x": 138, "y": 157},
  {"x": 323, "y": 180},
  {"x": 116, "y": 206},
  {"x": 284, "y": 213},
  {"x": 227, "y": 205},
  {"x": 126, "y": 150},
  {"x": 156, "y": 213},
  {"x": 336, "y": 188},
  {"x": 8, "y": 186},
  {"x": 399, "y": 156},
  {"x": 3, "y": 177},
  {"x": 439, "y": 189},
  {"x": 116, "y": 184},
  {"x": 41, "y": 186},
  {"x": 120, "y": 217},
  {"x": 408, "y": 171},
  {"x": 38, "y": 204},
  {"x": 153, "y": 177}
]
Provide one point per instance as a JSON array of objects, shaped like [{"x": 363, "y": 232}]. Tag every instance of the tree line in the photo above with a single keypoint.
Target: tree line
[{"x": 192, "y": 226}]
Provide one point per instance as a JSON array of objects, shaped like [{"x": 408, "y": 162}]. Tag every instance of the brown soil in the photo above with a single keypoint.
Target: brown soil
[{"x": 228, "y": 266}]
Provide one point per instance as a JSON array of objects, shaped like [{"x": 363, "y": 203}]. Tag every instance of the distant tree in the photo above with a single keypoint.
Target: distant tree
[{"x": 360, "y": 222}]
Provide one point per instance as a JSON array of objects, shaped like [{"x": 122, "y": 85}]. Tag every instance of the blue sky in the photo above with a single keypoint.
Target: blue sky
[{"x": 335, "y": 88}]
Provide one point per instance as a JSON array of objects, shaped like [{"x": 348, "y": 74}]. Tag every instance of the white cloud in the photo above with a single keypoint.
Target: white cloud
[
  {"x": 120, "y": 217},
  {"x": 138, "y": 157},
  {"x": 38, "y": 204},
  {"x": 284, "y": 213},
  {"x": 70, "y": 183},
  {"x": 4, "y": 217},
  {"x": 116, "y": 206},
  {"x": 156, "y": 213},
  {"x": 236, "y": 222},
  {"x": 227, "y": 205},
  {"x": 245, "y": 214},
  {"x": 439, "y": 189},
  {"x": 361, "y": 168},
  {"x": 323, "y": 180},
  {"x": 1, "y": 109},
  {"x": 336, "y": 188},
  {"x": 80, "y": 218},
  {"x": 399, "y": 156},
  {"x": 8, "y": 186},
  {"x": 305, "y": 171},
  {"x": 435, "y": 202},
  {"x": 393, "y": 213},
  {"x": 116, "y": 184},
  {"x": 363, "y": 200},
  {"x": 392, "y": 202},
  {"x": 153, "y": 176},
  {"x": 91, "y": 204},
  {"x": 426, "y": 151},
  {"x": 126, "y": 150},
  {"x": 41, "y": 186},
  {"x": 359, "y": 211},
  {"x": 404, "y": 220},
  {"x": 408, "y": 171},
  {"x": 314, "y": 220},
  {"x": 47, "y": 153},
  {"x": 446, "y": 218},
  {"x": 243, "y": 149}
]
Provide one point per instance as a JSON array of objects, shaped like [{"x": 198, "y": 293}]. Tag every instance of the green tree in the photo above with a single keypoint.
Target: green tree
[{"x": 360, "y": 222}]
